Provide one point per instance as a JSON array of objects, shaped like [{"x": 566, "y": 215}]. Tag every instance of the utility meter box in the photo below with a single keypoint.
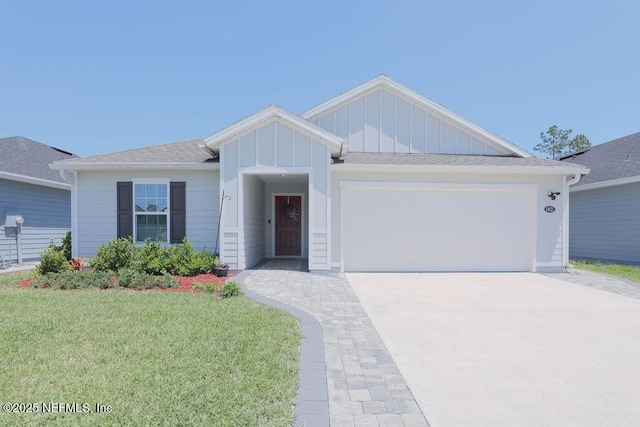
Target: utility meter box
[{"x": 11, "y": 224}]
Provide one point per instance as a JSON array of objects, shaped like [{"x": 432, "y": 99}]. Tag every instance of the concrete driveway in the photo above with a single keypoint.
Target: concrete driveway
[{"x": 509, "y": 349}]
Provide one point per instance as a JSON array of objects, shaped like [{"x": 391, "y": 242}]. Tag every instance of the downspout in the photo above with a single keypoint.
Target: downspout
[{"x": 565, "y": 234}]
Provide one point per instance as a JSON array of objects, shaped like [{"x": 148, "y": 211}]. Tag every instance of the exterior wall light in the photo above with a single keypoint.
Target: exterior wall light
[{"x": 553, "y": 195}]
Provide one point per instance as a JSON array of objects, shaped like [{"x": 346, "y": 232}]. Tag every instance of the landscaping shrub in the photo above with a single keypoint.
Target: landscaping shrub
[
  {"x": 230, "y": 289},
  {"x": 130, "y": 278},
  {"x": 206, "y": 287},
  {"x": 114, "y": 255},
  {"x": 153, "y": 258},
  {"x": 66, "y": 246},
  {"x": 53, "y": 261},
  {"x": 186, "y": 261},
  {"x": 74, "y": 280}
]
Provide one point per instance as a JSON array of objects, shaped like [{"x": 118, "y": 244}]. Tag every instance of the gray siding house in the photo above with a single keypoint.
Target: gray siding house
[
  {"x": 378, "y": 172},
  {"x": 605, "y": 205},
  {"x": 30, "y": 190}
]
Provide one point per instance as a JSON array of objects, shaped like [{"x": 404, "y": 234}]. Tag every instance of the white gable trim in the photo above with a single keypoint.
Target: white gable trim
[
  {"x": 385, "y": 82},
  {"x": 605, "y": 184},
  {"x": 90, "y": 166},
  {"x": 274, "y": 113},
  {"x": 35, "y": 181},
  {"x": 459, "y": 169}
]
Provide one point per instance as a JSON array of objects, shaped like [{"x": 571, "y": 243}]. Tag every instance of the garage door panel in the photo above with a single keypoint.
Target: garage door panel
[{"x": 437, "y": 230}]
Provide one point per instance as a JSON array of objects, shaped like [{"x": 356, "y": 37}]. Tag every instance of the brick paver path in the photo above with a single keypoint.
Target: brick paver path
[{"x": 365, "y": 387}]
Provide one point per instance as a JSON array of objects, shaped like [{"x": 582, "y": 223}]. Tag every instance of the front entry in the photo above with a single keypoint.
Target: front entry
[{"x": 288, "y": 215}]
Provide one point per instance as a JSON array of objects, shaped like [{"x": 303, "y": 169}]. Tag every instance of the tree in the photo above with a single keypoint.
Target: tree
[{"x": 556, "y": 142}]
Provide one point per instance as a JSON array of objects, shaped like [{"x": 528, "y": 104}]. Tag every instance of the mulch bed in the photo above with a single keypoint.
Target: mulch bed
[{"x": 185, "y": 284}]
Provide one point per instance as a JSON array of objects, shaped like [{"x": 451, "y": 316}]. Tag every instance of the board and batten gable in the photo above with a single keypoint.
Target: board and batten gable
[
  {"x": 274, "y": 147},
  {"x": 605, "y": 223},
  {"x": 47, "y": 217},
  {"x": 387, "y": 122},
  {"x": 97, "y": 205}
]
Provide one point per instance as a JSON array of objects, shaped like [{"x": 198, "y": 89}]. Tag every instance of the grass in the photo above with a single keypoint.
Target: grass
[
  {"x": 11, "y": 279},
  {"x": 624, "y": 271},
  {"x": 155, "y": 358}
]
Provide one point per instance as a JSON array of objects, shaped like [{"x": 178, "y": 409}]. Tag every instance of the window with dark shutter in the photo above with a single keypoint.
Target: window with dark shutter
[
  {"x": 178, "y": 214},
  {"x": 125, "y": 209}
]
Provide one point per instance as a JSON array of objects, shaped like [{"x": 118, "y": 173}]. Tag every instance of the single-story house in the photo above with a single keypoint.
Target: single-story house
[
  {"x": 605, "y": 205},
  {"x": 30, "y": 190},
  {"x": 379, "y": 178}
]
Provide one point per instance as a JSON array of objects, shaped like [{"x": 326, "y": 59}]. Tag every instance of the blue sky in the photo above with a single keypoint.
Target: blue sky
[{"x": 94, "y": 77}]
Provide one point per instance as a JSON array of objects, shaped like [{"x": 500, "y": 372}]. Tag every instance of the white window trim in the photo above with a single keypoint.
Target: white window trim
[{"x": 165, "y": 181}]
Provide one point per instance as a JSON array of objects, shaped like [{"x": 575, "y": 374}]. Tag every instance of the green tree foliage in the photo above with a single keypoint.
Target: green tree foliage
[{"x": 556, "y": 142}]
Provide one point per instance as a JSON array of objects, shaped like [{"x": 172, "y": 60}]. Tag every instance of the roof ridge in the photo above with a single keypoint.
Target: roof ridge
[{"x": 128, "y": 150}]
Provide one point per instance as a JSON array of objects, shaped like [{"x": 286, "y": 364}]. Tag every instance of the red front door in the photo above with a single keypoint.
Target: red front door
[{"x": 288, "y": 214}]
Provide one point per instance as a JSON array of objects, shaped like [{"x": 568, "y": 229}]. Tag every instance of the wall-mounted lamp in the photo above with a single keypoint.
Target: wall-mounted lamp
[
  {"x": 553, "y": 195},
  {"x": 19, "y": 220}
]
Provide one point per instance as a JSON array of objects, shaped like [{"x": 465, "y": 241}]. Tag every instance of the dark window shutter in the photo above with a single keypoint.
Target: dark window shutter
[
  {"x": 125, "y": 209},
  {"x": 178, "y": 214}
]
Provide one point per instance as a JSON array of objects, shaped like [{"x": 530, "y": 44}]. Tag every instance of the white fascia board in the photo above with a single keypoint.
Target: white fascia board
[
  {"x": 134, "y": 165},
  {"x": 605, "y": 184},
  {"x": 386, "y": 82},
  {"x": 36, "y": 181},
  {"x": 278, "y": 113},
  {"x": 522, "y": 170}
]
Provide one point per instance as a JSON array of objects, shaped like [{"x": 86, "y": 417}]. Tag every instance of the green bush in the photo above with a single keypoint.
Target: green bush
[
  {"x": 130, "y": 278},
  {"x": 206, "y": 287},
  {"x": 184, "y": 260},
  {"x": 53, "y": 261},
  {"x": 74, "y": 280},
  {"x": 153, "y": 258},
  {"x": 165, "y": 281},
  {"x": 66, "y": 246},
  {"x": 114, "y": 255},
  {"x": 230, "y": 289}
]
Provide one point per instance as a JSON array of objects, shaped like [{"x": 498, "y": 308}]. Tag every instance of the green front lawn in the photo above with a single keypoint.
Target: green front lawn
[
  {"x": 10, "y": 279},
  {"x": 625, "y": 271},
  {"x": 154, "y": 358}
]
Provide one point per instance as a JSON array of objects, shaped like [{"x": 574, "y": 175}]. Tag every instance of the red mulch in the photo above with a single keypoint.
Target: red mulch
[{"x": 185, "y": 284}]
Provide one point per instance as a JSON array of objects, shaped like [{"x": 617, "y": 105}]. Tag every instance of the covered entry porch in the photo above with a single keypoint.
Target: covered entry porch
[
  {"x": 275, "y": 176},
  {"x": 274, "y": 216}
]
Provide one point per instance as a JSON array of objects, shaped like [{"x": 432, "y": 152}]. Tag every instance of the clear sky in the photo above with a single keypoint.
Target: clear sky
[{"x": 93, "y": 77}]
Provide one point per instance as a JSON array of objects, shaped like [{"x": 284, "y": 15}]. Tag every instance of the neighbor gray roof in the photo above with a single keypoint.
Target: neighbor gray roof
[
  {"x": 23, "y": 156},
  {"x": 612, "y": 160},
  {"x": 419, "y": 159},
  {"x": 175, "y": 152}
]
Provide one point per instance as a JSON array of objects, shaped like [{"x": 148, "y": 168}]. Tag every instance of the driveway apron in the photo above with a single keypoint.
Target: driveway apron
[
  {"x": 510, "y": 349},
  {"x": 364, "y": 385}
]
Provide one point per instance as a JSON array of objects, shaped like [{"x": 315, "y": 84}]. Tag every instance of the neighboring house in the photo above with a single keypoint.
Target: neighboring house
[
  {"x": 31, "y": 190},
  {"x": 605, "y": 205},
  {"x": 378, "y": 178}
]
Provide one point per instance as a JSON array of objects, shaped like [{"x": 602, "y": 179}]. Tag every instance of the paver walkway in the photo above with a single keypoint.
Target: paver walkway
[
  {"x": 365, "y": 387},
  {"x": 601, "y": 281}
]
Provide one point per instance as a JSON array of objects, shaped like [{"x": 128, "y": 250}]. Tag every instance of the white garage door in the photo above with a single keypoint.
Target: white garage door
[{"x": 450, "y": 228}]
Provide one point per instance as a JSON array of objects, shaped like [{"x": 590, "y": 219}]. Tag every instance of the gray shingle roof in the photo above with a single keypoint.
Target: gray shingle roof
[
  {"x": 175, "y": 152},
  {"x": 24, "y": 156},
  {"x": 445, "y": 160},
  {"x": 609, "y": 161}
]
